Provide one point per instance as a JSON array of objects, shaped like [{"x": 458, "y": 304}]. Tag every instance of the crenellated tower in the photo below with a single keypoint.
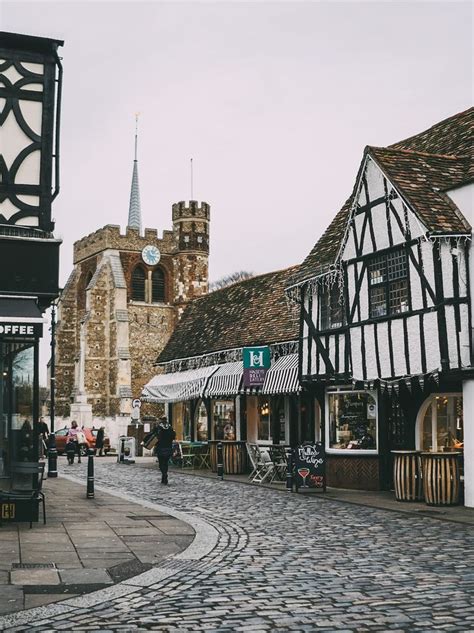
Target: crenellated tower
[{"x": 191, "y": 263}]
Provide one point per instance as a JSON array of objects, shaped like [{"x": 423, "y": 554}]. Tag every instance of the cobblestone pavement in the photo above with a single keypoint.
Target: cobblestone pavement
[{"x": 286, "y": 562}]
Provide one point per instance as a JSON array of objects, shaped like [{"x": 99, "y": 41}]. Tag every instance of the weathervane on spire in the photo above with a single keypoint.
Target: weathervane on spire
[{"x": 137, "y": 114}]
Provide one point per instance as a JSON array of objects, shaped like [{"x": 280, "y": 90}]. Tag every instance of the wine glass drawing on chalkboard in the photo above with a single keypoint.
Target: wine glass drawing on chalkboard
[{"x": 303, "y": 473}]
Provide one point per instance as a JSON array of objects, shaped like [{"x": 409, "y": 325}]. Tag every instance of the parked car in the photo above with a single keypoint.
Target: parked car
[{"x": 61, "y": 439}]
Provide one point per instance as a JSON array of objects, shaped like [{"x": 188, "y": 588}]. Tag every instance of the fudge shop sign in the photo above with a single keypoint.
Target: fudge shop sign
[
  {"x": 256, "y": 364},
  {"x": 17, "y": 329}
]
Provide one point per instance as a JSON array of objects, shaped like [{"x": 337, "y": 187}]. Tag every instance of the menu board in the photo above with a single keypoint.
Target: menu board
[{"x": 309, "y": 466}]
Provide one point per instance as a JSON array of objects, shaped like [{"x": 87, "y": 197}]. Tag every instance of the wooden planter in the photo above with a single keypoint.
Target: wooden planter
[
  {"x": 441, "y": 478},
  {"x": 407, "y": 476},
  {"x": 234, "y": 457}
]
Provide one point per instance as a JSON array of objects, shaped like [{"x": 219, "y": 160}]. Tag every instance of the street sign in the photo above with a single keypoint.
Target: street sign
[{"x": 257, "y": 362}]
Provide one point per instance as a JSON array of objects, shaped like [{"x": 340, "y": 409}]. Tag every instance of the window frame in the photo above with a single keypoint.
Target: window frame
[
  {"x": 347, "y": 451},
  {"x": 132, "y": 297},
  {"x": 387, "y": 284},
  {"x": 326, "y": 302},
  {"x": 160, "y": 270}
]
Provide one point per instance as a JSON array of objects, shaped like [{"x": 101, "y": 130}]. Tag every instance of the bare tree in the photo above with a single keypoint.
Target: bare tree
[{"x": 228, "y": 280}]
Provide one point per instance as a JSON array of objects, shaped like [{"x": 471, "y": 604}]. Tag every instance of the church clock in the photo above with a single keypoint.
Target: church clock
[{"x": 151, "y": 255}]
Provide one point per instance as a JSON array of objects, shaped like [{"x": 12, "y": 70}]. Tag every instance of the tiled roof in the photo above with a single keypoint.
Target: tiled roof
[
  {"x": 422, "y": 179},
  {"x": 251, "y": 312},
  {"x": 422, "y": 167}
]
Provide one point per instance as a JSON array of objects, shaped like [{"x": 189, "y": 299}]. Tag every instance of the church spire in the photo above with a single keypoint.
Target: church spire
[{"x": 134, "y": 211}]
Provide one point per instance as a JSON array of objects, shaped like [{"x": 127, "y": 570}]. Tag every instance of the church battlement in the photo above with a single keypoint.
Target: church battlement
[
  {"x": 191, "y": 209},
  {"x": 111, "y": 237}
]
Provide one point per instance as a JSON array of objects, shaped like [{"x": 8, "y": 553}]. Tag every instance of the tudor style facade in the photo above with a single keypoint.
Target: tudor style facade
[{"x": 385, "y": 306}]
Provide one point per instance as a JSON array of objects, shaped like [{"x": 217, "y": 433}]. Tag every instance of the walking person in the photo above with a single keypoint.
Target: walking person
[
  {"x": 99, "y": 441},
  {"x": 164, "y": 449},
  {"x": 76, "y": 438}
]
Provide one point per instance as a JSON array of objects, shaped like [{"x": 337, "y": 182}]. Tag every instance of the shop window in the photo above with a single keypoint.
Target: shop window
[
  {"x": 352, "y": 421},
  {"x": 200, "y": 421},
  {"x": 441, "y": 424},
  {"x": 223, "y": 419},
  {"x": 138, "y": 284},
  {"x": 264, "y": 420},
  {"x": 331, "y": 307},
  {"x": 182, "y": 421},
  {"x": 158, "y": 286},
  {"x": 388, "y": 284}
]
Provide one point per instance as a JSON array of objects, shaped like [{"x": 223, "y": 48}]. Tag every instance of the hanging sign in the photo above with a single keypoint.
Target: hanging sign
[
  {"x": 256, "y": 364},
  {"x": 309, "y": 462}
]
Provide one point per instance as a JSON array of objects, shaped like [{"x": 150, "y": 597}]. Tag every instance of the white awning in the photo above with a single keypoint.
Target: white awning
[
  {"x": 178, "y": 386},
  {"x": 226, "y": 381},
  {"x": 282, "y": 377}
]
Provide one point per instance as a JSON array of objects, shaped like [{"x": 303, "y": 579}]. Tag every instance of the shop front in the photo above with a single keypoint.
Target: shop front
[{"x": 21, "y": 325}]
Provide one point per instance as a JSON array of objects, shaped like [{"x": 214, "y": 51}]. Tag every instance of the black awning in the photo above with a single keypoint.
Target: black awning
[{"x": 20, "y": 309}]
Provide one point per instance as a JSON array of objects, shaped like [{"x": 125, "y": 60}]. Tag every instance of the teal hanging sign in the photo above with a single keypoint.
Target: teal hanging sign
[{"x": 256, "y": 364}]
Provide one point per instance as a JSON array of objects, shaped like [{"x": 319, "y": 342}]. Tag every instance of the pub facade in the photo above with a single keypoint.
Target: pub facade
[
  {"x": 30, "y": 87},
  {"x": 385, "y": 302}
]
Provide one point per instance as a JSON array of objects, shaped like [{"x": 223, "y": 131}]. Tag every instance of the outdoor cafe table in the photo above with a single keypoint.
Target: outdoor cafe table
[
  {"x": 441, "y": 477},
  {"x": 234, "y": 456},
  {"x": 407, "y": 476}
]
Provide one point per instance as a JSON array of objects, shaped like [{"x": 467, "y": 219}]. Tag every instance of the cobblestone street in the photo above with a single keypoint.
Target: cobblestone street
[{"x": 287, "y": 562}]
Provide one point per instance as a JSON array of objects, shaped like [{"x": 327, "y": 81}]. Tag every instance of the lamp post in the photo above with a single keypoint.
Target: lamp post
[{"x": 52, "y": 451}]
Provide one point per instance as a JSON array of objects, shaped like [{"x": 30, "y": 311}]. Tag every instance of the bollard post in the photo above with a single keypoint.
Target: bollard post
[
  {"x": 289, "y": 471},
  {"x": 90, "y": 474},
  {"x": 52, "y": 456},
  {"x": 220, "y": 461}
]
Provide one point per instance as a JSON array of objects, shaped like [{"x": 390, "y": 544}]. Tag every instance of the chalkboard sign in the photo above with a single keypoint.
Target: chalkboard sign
[{"x": 309, "y": 466}]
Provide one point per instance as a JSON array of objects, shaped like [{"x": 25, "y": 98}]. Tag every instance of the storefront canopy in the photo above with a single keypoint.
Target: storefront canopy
[
  {"x": 20, "y": 318},
  {"x": 282, "y": 377},
  {"x": 226, "y": 380},
  {"x": 178, "y": 386}
]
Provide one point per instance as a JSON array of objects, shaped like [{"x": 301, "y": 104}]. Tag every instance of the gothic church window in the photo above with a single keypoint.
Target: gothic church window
[
  {"x": 138, "y": 284},
  {"x": 157, "y": 286},
  {"x": 388, "y": 284}
]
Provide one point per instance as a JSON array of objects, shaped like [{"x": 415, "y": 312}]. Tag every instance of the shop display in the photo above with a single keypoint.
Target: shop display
[{"x": 352, "y": 421}]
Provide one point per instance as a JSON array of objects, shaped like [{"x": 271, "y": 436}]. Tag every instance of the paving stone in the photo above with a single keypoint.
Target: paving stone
[
  {"x": 34, "y": 577},
  {"x": 85, "y": 576}
]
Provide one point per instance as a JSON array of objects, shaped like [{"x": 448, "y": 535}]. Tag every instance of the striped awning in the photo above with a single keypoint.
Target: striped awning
[
  {"x": 178, "y": 386},
  {"x": 225, "y": 381},
  {"x": 282, "y": 377}
]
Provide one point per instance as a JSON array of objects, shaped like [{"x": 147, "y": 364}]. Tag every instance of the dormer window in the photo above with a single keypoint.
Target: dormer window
[{"x": 388, "y": 284}]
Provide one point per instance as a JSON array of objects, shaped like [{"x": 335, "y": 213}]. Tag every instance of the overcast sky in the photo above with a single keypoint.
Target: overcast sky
[{"x": 274, "y": 101}]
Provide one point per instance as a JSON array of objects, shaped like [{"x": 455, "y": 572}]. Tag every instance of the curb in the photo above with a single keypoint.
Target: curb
[{"x": 204, "y": 542}]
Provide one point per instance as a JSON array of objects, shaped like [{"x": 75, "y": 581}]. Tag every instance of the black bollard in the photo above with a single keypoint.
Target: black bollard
[
  {"x": 90, "y": 474},
  {"x": 289, "y": 471},
  {"x": 52, "y": 456},
  {"x": 220, "y": 461}
]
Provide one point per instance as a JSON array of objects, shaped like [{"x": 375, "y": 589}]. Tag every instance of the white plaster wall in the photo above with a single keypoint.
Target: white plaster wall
[
  {"x": 451, "y": 330},
  {"x": 351, "y": 282},
  {"x": 370, "y": 356},
  {"x": 464, "y": 336},
  {"x": 384, "y": 350},
  {"x": 462, "y": 268},
  {"x": 332, "y": 350},
  {"x": 342, "y": 347},
  {"x": 358, "y": 222},
  {"x": 304, "y": 351},
  {"x": 463, "y": 198},
  {"x": 413, "y": 327},
  {"x": 428, "y": 266},
  {"x": 379, "y": 222},
  {"x": 447, "y": 269},
  {"x": 433, "y": 358},
  {"x": 468, "y": 410},
  {"x": 374, "y": 180},
  {"x": 398, "y": 342},
  {"x": 364, "y": 297},
  {"x": 415, "y": 283},
  {"x": 349, "y": 249},
  {"x": 356, "y": 353},
  {"x": 397, "y": 235}
]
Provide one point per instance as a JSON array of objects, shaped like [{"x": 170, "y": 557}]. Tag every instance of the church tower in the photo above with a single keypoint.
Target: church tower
[{"x": 120, "y": 306}]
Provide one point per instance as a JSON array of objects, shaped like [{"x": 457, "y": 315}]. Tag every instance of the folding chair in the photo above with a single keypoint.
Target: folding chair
[
  {"x": 278, "y": 457},
  {"x": 262, "y": 466}
]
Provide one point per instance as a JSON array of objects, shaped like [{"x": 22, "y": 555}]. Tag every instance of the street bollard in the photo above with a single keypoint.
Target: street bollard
[
  {"x": 220, "y": 461},
  {"x": 289, "y": 471},
  {"x": 52, "y": 456},
  {"x": 90, "y": 474}
]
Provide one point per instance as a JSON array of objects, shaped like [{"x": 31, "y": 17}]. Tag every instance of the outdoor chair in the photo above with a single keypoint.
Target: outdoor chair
[
  {"x": 279, "y": 459},
  {"x": 187, "y": 454},
  {"x": 262, "y": 466},
  {"x": 29, "y": 487}
]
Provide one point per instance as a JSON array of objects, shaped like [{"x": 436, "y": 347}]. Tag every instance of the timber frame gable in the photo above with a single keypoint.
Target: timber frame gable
[{"x": 402, "y": 283}]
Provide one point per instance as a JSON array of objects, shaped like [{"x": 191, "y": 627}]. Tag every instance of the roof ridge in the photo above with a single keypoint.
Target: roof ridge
[
  {"x": 243, "y": 281},
  {"x": 411, "y": 151}
]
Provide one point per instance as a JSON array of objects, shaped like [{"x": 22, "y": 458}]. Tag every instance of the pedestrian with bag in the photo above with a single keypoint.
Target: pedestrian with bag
[
  {"x": 164, "y": 449},
  {"x": 75, "y": 437}
]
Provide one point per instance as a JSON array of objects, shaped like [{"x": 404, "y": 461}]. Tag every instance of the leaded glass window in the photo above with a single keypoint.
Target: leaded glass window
[
  {"x": 331, "y": 307},
  {"x": 388, "y": 284}
]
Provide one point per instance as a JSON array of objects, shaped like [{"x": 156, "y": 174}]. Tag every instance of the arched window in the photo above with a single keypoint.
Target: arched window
[
  {"x": 138, "y": 284},
  {"x": 157, "y": 286}
]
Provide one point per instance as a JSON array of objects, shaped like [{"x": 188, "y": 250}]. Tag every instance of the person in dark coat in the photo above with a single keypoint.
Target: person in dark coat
[
  {"x": 164, "y": 449},
  {"x": 99, "y": 441}
]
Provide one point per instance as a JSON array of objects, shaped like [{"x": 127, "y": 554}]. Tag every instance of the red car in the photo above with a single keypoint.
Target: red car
[{"x": 61, "y": 440}]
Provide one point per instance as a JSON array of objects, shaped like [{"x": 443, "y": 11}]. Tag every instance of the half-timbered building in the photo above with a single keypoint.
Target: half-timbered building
[{"x": 386, "y": 321}]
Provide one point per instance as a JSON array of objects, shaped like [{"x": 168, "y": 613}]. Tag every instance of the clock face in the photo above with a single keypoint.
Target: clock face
[{"x": 151, "y": 255}]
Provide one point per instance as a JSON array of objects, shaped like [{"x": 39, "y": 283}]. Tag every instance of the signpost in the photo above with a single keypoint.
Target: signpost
[
  {"x": 310, "y": 466},
  {"x": 256, "y": 364}
]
